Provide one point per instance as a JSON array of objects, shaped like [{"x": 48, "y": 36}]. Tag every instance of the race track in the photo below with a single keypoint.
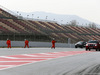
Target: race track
[{"x": 46, "y": 61}]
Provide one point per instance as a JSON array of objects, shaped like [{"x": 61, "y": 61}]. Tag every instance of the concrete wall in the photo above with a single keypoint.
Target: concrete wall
[{"x": 35, "y": 44}]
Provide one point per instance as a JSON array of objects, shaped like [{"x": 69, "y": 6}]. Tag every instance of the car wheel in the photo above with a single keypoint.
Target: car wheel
[
  {"x": 86, "y": 49},
  {"x": 75, "y": 46},
  {"x": 96, "y": 49},
  {"x": 89, "y": 49}
]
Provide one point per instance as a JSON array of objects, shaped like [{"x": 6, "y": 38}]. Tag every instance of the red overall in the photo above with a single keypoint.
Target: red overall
[
  {"x": 8, "y": 43},
  {"x": 53, "y": 43},
  {"x": 26, "y": 43}
]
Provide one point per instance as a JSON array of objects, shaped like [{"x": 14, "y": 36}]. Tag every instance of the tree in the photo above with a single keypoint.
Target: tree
[
  {"x": 73, "y": 23},
  {"x": 92, "y": 25}
]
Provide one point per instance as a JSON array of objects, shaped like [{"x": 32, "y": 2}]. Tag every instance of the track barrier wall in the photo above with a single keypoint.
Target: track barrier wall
[{"x": 35, "y": 44}]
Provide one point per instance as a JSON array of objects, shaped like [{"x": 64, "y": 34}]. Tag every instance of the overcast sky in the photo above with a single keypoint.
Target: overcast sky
[{"x": 88, "y": 9}]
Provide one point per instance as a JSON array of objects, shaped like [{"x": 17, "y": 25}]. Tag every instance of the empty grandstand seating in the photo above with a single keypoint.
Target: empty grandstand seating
[
  {"x": 10, "y": 24},
  {"x": 19, "y": 27},
  {"x": 6, "y": 14},
  {"x": 3, "y": 30},
  {"x": 14, "y": 28}
]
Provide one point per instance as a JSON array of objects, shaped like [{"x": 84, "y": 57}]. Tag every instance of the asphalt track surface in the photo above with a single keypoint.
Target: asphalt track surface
[{"x": 46, "y": 61}]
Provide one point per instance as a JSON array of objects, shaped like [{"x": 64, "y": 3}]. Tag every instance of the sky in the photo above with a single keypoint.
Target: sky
[{"x": 87, "y": 9}]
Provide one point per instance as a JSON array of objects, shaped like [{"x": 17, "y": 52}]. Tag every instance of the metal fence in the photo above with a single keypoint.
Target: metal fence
[{"x": 21, "y": 37}]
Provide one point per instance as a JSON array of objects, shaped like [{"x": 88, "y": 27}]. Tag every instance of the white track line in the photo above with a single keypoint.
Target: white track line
[
  {"x": 49, "y": 55},
  {"x": 29, "y": 55},
  {"x": 19, "y": 61},
  {"x": 8, "y": 57},
  {"x": 6, "y": 65}
]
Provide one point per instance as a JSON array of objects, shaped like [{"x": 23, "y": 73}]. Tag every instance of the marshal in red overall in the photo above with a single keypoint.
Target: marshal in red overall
[{"x": 53, "y": 43}]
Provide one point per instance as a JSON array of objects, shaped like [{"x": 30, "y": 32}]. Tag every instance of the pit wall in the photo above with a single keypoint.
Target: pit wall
[{"x": 35, "y": 44}]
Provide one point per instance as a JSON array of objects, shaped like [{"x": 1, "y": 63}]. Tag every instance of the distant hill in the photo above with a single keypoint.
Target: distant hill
[{"x": 59, "y": 18}]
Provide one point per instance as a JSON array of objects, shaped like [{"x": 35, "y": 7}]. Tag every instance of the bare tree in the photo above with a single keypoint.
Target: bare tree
[
  {"x": 73, "y": 23},
  {"x": 92, "y": 25}
]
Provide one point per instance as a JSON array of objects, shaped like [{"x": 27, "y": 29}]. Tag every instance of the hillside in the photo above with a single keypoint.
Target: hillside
[{"x": 59, "y": 18}]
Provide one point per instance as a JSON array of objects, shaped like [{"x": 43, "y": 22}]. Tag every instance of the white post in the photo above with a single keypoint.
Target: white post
[{"x": 69, "y": 42}]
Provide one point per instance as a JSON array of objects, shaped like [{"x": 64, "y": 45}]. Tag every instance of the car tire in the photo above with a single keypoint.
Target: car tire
[
  {"x": 75, "y": 46},
  {"x": 89, "y": 49},
  {"x": 96, "y": 49},
  {"x": 86, "y": 49}
]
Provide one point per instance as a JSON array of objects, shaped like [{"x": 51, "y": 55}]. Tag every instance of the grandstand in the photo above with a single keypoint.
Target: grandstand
[{"x": 18, "y": 29}]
